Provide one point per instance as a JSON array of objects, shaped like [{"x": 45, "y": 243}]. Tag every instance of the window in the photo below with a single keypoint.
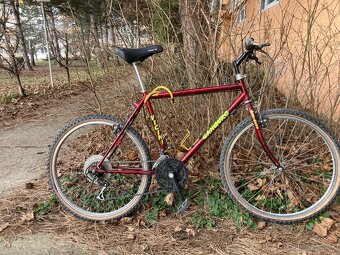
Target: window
[
  {"x": 242, "y": 15},
  {"x": 265, "y": 4}
]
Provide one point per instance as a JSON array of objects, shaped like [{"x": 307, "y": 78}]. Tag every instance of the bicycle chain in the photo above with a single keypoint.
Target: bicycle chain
[{"x": 138, "y": 194}]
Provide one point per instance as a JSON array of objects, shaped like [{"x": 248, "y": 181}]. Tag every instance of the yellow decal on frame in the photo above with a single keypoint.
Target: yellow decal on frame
[
  {"x": 252, "y": 114},
  {"x": 216, "y": 124},
  {"x": 155, "y": 125}
]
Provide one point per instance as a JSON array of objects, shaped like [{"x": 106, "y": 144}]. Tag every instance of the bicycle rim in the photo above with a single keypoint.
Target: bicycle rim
[
  {"x": 309, "y": 155},
  {"x": 79, "y": 147}
]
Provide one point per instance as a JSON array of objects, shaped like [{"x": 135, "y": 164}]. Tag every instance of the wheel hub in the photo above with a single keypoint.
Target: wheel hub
[{"x": 91, "y": 165}]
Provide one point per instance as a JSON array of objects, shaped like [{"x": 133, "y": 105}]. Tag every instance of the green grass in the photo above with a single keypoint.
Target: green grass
[
  {"x": 158, "y": 204},
  {"x": 7, "y": 98},
  {"x": 46, "y": 206},
  {"x": 217, "y": 205},
  {"x": 210, "y": 203}
]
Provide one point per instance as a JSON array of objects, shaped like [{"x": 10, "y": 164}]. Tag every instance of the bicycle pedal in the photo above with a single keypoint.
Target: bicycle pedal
[{"x": 183, "y": 206}]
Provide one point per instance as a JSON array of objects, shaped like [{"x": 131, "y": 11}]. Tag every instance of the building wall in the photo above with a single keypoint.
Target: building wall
[{"x": 305, "y": 37}]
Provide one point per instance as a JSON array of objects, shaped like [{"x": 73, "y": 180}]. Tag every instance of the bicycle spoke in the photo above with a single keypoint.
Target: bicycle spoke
[{"x": 308, "y": 158}]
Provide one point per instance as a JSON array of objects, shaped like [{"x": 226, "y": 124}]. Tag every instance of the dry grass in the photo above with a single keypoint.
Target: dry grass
[{"x": 139, "y": 237}]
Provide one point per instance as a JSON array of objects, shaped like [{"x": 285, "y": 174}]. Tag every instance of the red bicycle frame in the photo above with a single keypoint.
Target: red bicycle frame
[{"x": 242, "y": 98}]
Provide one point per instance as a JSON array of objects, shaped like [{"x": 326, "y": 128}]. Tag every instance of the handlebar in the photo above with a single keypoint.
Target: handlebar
[
  {"x": 249, "y": 45},
  {"x": 249, "y": 54}
]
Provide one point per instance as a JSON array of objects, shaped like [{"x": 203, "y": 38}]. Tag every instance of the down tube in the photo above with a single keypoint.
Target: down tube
[{"x": 213, "y": 128}]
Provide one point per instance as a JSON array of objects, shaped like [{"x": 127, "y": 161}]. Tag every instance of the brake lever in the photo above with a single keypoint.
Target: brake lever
[
  {"x": 257, "y": 60},
  {"x": 253, "y": 57}
]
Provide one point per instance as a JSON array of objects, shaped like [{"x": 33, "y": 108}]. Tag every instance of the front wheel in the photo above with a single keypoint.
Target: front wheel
[
  {"x": 309, "y": 154},
  {"x": 77, "y": 149}
]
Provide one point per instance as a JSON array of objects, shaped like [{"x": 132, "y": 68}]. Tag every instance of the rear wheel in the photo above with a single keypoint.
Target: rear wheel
[
  {"x": 307, "y": 151},
  {"x": 77, "y": 149}
]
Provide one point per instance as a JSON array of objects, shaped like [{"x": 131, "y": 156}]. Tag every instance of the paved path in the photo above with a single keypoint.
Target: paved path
[
  {"x": 24, "y": 146},
  {"x": 23, "y": 153}
]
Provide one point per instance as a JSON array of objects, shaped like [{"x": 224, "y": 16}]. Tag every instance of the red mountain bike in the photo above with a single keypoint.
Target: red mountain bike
[{"x": 279, "y": 165}]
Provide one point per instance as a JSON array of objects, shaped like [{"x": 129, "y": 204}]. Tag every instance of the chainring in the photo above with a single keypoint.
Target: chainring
[{"x": 167, "y": 165}]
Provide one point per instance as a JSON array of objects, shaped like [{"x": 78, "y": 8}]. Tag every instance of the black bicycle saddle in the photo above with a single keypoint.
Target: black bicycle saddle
[{"x": 138, "y": 55}]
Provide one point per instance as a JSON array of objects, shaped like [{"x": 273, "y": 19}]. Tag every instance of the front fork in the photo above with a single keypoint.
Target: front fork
[{"x": 258, "y": 124}]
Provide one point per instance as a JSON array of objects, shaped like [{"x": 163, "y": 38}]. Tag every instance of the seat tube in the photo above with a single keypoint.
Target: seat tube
[
  {"x": 161, "y": 140},
  {"x": 134, "y": 64}
]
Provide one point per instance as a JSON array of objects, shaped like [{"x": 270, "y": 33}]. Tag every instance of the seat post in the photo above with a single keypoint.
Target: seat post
[{"x": 138, "y": 76}]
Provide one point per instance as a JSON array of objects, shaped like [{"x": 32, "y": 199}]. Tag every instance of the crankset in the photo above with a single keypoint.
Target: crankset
[{"x": 172, "y": 175}]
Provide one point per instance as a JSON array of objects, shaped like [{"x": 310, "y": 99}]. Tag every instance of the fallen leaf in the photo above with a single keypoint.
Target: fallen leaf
[
  {"x": 3, "y": 227},
  {"x": 331, "y": 238},
  {"x": 132, "y": 155},
  {"x": 126, "y": 220},
  {"x": 179, "y": 154},
  {"x": 140, "y": 223},
  {"x": 163, "y": 213},
  {"x": 190, "y": 231},
  {"x": 279, "y": 193},
  {"x": 327, "y": 222},
  {"x": 252, "y": 187},
  {"x": 260, "y": 197},
  {"x": 28, "y": 217},
  {"x": 261, "y": 182},
  {"x": 294, "y": 200},
  {"x": 320, "y": 230},
  {"x": 169, "y": 199},
  {"x": 261, "y": 225}
]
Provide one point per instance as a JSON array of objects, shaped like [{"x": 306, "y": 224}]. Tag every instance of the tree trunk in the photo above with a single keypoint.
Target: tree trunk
[
  {"x": 54, "y": 37},
  {"x": 67, "y": 59},
  {"x": 32, "y": 51},
  {"x": 113, "y": 41},
  {"x": 95, "y": 39},
  {"x": 189, "y": 41},
  {"x": 20, "y": 87},
  {"x": 107, "y": 55},
  {"x": 16, "y": 73},
  {"x": 15, "y": 8}
]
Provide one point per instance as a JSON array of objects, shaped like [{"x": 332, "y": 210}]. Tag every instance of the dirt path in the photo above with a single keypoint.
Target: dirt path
[{"x": 24, "y": 147}]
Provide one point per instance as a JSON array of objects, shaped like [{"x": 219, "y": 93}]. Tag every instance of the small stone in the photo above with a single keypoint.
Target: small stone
[
  {"x": 131, "y": 229},
  {"x": 131, "y": 236},
  {"x": 29, "y": 185},
  {"x": 169, "y": 199},
  {"x": 126, "y": 220},
  {"x": 178, "y": 228}
]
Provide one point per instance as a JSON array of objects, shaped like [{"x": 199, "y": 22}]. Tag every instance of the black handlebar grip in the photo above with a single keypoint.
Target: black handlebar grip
[{"x": 265, "y": 45}]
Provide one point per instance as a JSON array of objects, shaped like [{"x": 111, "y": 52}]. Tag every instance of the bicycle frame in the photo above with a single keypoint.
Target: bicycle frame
[{"x": 243, "y": 98}]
